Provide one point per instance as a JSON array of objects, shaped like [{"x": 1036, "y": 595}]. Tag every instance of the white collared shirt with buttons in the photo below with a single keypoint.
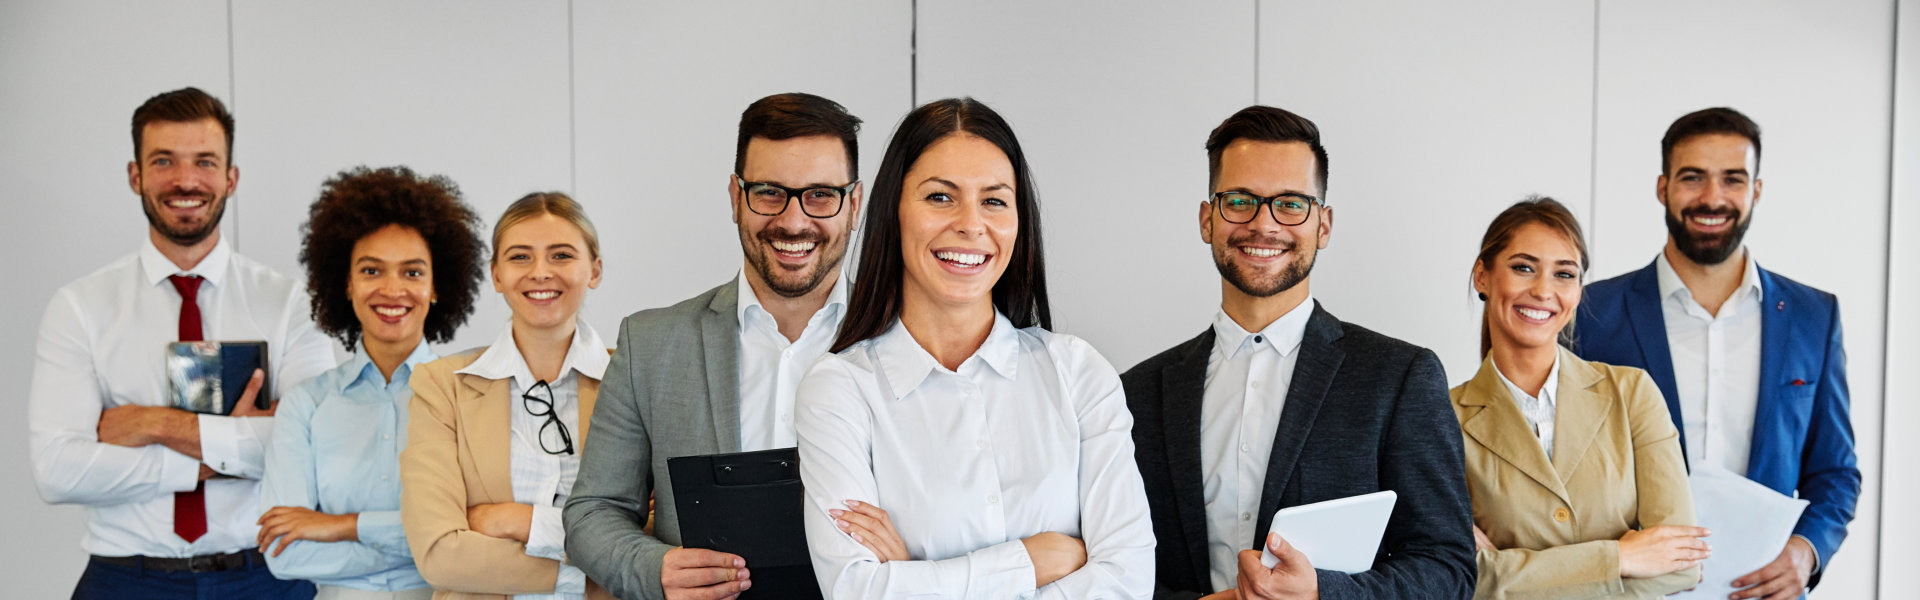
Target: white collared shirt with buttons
[
  {"x": 1539, "y": 411},
  {"x": 542, "y": 479},
  {"x": 771, "y": 367},
  {"x": 1716, "y": 365},
  {"x": 1248, "y": 375},
  {"x": 101, "y": 345},
  {"x": 1031, "y": 434}
]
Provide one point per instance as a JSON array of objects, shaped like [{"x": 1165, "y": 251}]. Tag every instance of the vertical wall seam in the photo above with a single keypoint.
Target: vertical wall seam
[
  {"x": 573, "y": 111},
  {"x": 1886, "y": 305},
  {"x": 913, "y": 57},
  {"x": 233, "y": 103},
  {"x": 1256, "y": 51},
  {"x": 1593, "y": 141}
]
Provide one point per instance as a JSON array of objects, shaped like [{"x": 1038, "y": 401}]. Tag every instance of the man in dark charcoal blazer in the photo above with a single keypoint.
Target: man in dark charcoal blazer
[{"x": 1280, "y": 404}]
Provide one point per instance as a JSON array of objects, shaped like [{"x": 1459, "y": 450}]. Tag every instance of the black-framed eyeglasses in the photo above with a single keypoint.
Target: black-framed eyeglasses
[
  {"x": 770, "y": 199},
  {"x": 538, "y": 401},
  {"x": 1289, "y": 209}
]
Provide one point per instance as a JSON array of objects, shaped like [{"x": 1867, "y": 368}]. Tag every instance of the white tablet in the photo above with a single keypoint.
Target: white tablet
[{"x": 1337, "y": 535}]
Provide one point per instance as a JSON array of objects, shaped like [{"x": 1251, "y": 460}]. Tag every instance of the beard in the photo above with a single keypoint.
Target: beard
[
  {"x": 828, "y": 253},
  {"x": 184, "y": 235},
  {"x": 1294, "y": 272},
  {"x": 1707, "y": 248}
]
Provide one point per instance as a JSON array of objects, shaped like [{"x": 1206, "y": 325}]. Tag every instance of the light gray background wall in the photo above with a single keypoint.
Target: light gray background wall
[{"x": 1436, "y": 117}]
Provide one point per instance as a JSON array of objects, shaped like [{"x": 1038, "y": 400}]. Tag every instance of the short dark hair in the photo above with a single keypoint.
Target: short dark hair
[
  {"x": 359, "y": 201},
  {"x": 1266, "y": 124},
  {"x": 184, "y": 105},
  {"x": 1709, "y": 121},
  {"x": 1021, "y": 292},
  {"x": 796, "y": 114}
]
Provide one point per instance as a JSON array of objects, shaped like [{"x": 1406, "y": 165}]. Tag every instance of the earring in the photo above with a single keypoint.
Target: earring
[{"x": 1483, "y": 296}]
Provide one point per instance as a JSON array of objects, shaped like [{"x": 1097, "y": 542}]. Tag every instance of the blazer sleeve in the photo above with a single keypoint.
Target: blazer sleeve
[
  {"x": 1659, "y": 473},
  {"x": 1829, "y": 476},
  {"x": 1428, "y": 545},
  {"x": 434, "y": 502},
  {"x": 607, "y": 509}
]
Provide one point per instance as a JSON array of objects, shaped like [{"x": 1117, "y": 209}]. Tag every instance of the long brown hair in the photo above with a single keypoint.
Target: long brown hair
[{"x": 1535, "y": 209}]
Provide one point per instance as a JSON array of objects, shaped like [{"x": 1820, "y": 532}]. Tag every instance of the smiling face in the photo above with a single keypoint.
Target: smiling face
[
  {"x": 1532, "y": 288},
  {"x": 544, "y": 271},
  {"x": 391, "y": 287},
  {"x": 1709, "y": 195},
  {"x": 792, "y": 253},
  {"x": 1263, "y": 258},
  {"x": 183, "y": 179},
  {"x": 958, "y": 222}
]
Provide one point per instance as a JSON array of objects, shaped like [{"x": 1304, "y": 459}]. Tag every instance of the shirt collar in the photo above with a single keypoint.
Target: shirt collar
[
  {"x": 906, "y": 364},
  {"x": 1671, "y": 285},
  {"x": 1283, "y": 334},
  {"x": 362, "y": 367},
  {"x": 836, "y": 298},
  {"x": 1548, "y": 390},
  {"x": 156, "y": 267},
  {"x": 587, "y": 354}
]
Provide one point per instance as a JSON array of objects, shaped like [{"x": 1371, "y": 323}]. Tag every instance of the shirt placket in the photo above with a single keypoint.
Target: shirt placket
[
  {"x": 996, "y": 513},
  {"x": 1716, "y": 367},
  {"x": 1259, "y": 369}
]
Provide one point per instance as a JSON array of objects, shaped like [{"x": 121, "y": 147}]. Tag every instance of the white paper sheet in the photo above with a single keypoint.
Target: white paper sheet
[
  {"x": 1336, "y": 535},
  {"x": 1749, "y": 523}
]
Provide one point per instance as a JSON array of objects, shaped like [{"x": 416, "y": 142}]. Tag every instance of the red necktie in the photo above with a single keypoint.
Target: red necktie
[{"x": 189, "y": 508}]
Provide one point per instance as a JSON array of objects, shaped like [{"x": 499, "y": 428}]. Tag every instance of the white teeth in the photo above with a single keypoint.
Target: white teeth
[
  {"x": 543, "y": 295},
  {"x": 1262, "y": 252},
  {"x": 390, "y": 311},
  {"x": 961, "y": 257},
  {"x": 186, "y": 203},
  {"x": 793, "y": 246},
  {"x": 1533, "y": 313},
  {"x": 1709, "y": 221}
]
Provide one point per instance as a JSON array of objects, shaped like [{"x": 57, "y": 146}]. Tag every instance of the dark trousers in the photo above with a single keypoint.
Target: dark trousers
[{"x": 103, "y": 581}]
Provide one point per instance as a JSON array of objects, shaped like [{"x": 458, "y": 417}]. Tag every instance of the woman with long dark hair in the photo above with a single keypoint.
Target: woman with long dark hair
[{"x": 1001, "y": 452}]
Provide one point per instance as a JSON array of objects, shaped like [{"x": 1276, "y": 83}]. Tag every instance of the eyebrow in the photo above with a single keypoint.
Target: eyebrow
[
  {"x": 991, "y": 188},
  {"x": 1530, "y": 257},
  {"x": 1282, "y": 194},
  {"x": 1686, "y": 170},
  {"x": 375, "y": 259},
  {"x": 558, "y": 246}
]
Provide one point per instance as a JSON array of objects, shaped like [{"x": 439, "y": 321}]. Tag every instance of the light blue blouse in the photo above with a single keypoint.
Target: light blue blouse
[{"x": 336, "y": 449}]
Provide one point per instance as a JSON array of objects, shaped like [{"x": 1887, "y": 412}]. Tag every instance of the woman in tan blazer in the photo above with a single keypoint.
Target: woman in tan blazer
[
  {"x": 493, "y": 444},
  {"x": 1579, "y": 489}
]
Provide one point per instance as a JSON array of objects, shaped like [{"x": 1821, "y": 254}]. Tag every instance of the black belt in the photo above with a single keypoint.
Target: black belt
[{"x": 205, "y": 563}]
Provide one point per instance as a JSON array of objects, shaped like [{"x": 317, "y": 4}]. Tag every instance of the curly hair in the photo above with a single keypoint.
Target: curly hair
[{"x": 359, "y": 201}]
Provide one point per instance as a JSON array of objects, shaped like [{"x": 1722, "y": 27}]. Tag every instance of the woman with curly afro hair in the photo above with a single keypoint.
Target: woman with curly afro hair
[{"x": 393, "y": 260}]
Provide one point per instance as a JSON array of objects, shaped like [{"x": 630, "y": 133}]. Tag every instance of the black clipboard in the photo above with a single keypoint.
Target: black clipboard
[
  {"x": 749, "y": 504},
  {"x": 208, "y": 377}
]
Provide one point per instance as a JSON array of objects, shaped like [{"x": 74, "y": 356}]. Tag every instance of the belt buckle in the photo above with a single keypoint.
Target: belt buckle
[{"x": 205, "y": 563}]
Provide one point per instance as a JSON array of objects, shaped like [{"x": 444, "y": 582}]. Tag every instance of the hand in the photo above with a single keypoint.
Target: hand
[
  {"x": 134, "y": 426},
  {"x": 289, "y": 523},
  {"x": 695, "y": 574},
  {"x": 505, "y": 520},
  {"x": 872, "y": 528},
  {"x": 1481, "y": 542},
  {"x": 1657, "y": 551},
  {"x": 1785, "y": 577},
  {"x": 1230, "y": 594},
  {"x": 1292, "y": 577},
  {"x": 244, "y": 407},
  {"x": 1054, "y": 555}
]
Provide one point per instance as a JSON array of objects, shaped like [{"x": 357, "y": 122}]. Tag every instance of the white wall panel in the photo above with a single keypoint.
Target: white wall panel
[
  {"x": 1112, "y": 107},
  {"x": 1435, "y": 117},
  {"x": 1815, "y": 76},
  {"x": 71, "y": 74},
  {"x": 1898, "y": 528}
]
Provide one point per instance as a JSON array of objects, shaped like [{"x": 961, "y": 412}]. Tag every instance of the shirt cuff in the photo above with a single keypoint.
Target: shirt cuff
[
  {"x": 547, "y": 534},
  {"x": 1816, "y": 551},
  {"x": 178, "y": 472},
  {"x": 220, "y": 444},
  {"x": 1000, "y": 571},
  {"x": 570, "y": 581}
]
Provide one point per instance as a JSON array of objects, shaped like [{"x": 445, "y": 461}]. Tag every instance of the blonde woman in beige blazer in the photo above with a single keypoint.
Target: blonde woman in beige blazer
[
  {"x": 494, "y": 436},
  {"x": 1578, "y": 484}
]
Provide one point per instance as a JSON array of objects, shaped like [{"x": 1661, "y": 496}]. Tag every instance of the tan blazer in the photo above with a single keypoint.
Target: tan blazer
[
  {"x": 1617, "y": 466},
  {"x": 457, "y": 457}
]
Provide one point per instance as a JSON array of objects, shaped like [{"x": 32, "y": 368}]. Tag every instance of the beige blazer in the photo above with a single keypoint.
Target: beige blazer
[
  {"x": 1617, "y": 466},
  {"x": 457, "y": 457}
]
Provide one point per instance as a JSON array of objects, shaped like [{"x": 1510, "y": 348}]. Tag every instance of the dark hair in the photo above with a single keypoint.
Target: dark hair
[
  {"x": 1709, "y": 121},
  {"x": 184, "y": 105},
  {"x": 359, "y": 201},
  {"x": 792, "y": 115},
  {"x": 1021, "y": 292},
  {"x": 1535, "y": 209},
  {"x": 1266, "y": 124}
]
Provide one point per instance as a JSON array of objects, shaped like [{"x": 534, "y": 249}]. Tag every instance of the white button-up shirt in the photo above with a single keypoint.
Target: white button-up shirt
[
  {"x": 540, "y": 479},
  {"x": 101, "y": 345},
  {"x": 1540, "y": 410},
  {"x": 771, "y": 367},
  {"x": 1031, "y": 434},
  {"x": 1248, "y": 375},
  {"x": 1716, "y": 365}
]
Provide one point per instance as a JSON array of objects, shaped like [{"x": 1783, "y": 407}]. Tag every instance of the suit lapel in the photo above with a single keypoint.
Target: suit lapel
[
  {"x": 1184, "y": 389},
  {"x": 1579, "y": 413},
  {"x": 487, "y": 421},
  {"x": 1650, "y": 330},
  {"x": 720, "y": 338},
  {"x": 1499, "y": 426},
  {"x": 1776, "y": 337},
  {"x": 1313, "y": 375}
]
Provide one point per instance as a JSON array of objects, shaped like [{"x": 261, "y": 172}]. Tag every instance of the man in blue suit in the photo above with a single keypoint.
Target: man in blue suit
[{"x": 1750, "y": 362}]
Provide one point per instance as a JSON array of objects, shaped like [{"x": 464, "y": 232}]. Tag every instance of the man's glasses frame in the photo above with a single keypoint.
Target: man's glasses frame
[
  {"x": 528, "y": 401},
  {"x": 747, "y": 189},
  {"x": 1272, "y": 203}
]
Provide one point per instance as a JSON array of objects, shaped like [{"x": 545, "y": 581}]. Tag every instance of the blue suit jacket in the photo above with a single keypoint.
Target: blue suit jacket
[{"x": 1802, "y": 428}]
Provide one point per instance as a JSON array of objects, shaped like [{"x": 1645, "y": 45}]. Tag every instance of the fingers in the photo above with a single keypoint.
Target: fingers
[
  {"x": 686, "y": 558},
  {"x": 1773, "y": 570},
  {"x": 1680, "y": 531},
  {"x": 872, "y": 512},
  {"x": 1769, "y": 588},
  {"x": 245, "y": 405},
  {"x": 704, "y": 577}
]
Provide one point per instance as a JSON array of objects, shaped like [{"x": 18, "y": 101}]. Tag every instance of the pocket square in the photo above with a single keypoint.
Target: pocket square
[{"x": 1799, "y": 382}]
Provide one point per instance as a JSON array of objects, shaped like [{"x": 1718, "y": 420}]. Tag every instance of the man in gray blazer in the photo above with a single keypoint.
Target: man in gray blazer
[{"x": 717, "y": 372}]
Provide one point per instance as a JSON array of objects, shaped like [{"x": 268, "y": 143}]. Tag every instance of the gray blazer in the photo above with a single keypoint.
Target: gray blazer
[{"x": 672, "y": 390}]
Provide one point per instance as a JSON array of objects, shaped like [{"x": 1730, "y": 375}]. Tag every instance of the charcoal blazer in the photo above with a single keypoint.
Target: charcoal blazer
[{"x": 1365, "y": 413}]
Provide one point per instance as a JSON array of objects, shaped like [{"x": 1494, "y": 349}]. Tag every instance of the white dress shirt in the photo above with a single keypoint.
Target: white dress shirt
[
  {"x": 1248, "y": 375},
  {"x": 1031, "y": 434},
  {"x": 1716, "y": 366},
  {"x": 771, "y": 367},
  {"x": 540, "y": 479},
  {"x": 101, "y": 345},
  {"x": 1539, "y": 411}
]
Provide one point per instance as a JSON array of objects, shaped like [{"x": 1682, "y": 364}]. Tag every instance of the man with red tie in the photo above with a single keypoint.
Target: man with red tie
[{"x": 171, "y": 497}]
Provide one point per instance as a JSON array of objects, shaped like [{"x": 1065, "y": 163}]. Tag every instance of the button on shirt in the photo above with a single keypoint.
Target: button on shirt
[
  {"x": 540, "y": 479},
  {"x": 771, "y": 367},
  {"x": 1716, "y": 365},
  {"x": 1031, "y": 434},
  {"x": 100, "y": 345},
  {"x": 336, "y": 449},
  {"x": 1539, "y": 411},
  {"x": 1248, "y": 375}
]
